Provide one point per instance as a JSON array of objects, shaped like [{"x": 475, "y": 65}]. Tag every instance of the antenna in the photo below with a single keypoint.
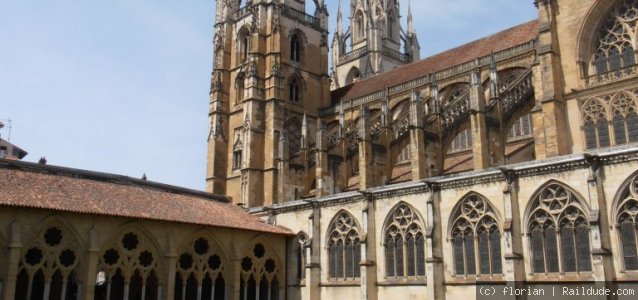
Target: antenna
[{"x": 8, "y": 124}]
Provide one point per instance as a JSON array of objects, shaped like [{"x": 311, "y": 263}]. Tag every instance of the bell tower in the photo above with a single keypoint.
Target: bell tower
[
  {"x": 374, "y": 43},
  {"x": 270, "y": 77}
]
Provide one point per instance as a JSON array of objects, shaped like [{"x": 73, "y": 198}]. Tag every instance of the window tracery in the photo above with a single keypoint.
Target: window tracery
[
  {"x": 475, "y": 238},
  {"x": 595, "y": 125},
  {"x": 627, "y": 225},
  {"x": 609, "y": 121},
  {"x": 558, "y": 232},
  {"x": 47, "y": 268},
  {"x": 615, "y": 47},
  {"x": 129, "y": 265},
  {"x": 344, "y": 248},
  {"x": 199, "y": 272},
  {"x": 625, "y": 119},
  {"x": 404, "y": 243},
  {"x": 259, "y": 275}
]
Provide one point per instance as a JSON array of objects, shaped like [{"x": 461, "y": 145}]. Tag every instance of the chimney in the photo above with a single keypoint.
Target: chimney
[{"x": 42, "y": 161}]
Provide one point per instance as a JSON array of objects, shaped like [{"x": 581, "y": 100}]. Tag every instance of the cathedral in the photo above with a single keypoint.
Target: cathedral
[
  {"x": 512, "y": 158},
  {"x": 352, "y": 168}
]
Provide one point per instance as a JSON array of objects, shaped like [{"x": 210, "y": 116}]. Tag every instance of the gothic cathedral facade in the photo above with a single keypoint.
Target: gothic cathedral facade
[{"x": 512, "y": 158}]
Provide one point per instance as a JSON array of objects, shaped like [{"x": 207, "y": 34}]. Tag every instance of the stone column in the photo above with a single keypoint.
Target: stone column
[
  {"x": 481, "y": 149},
  {"x": 366, "y": 170},
  {"x": 368, "y": 251},
  {"x": 599, "y": 235},
  {"x": 13, "y": 261},
  {"x": 417, "y": 142},
  {"x": 312, "y": 291},
  {"x": 434, "y": 246},
  {"x": 433, "y": 139},
  {"x": 91, "y": 261},
  {"x": 549, "y": 120}
]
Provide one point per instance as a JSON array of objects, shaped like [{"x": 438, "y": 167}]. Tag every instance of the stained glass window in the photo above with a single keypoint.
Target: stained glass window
[{"x": 405, "y": 245}]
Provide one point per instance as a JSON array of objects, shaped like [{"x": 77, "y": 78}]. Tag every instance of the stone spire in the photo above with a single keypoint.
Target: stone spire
[
  {"x": 410, "y": 22},
  {"x": 339, "y": 20}
]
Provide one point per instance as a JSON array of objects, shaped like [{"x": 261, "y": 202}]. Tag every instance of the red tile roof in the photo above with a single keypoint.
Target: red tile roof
[
  {"x": 62, "y": 189},
  {"x": 503, "y": 40}
]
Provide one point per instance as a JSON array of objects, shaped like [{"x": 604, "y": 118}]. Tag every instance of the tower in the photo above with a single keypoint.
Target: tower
[
  {"x": 270, "y": 77},
  {"x": 374, "y": 43}
]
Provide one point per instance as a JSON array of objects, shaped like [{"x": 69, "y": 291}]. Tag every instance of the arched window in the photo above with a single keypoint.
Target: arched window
[
  {"x": 475, "y": 238},
  {"x": 353, "y": 76},
  {"x": 295, "y": 48},
  {"x": 294, "y": 90},
  {"x": 615, "y": 47},
  {"x": 558, "y": 232},
  {"x": 239, "y": 88},
  {"x": 200, "y": 268},
  {"x": 344, "y": 248},
  {"x": 129, "y": 265},
  {"x": 259, "y": 275},
  {"x": 49, "y": 263},
  {"x": 625, "y": 119},
  {"x": 237, "y": 152},
  {"x": 595, "y": 125},
  {"x": 462, "y": 141},
  {"x": 359, "y": 25},
  {"x": 404, "y": 243},
  {"x": 243, "y": 40},
  {"x": 627, "y": 224}
]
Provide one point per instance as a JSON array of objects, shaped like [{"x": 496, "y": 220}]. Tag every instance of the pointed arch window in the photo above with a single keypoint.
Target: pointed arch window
[
  {"x": 359, "y": 25},
  {"x": 243, "y": 45},
  {"x": 476, "y": 238},
  {"x": 595, "y": 125},
  {"x": 344, "y": 248},
  {"x": 49, "y": 263},
  {"x": 294, "y": 90},
  {"x": 615, "y": 50},
  {"x": 237, "y": 152},
  {"x": 625, "y": 119},
  {"x": 239, "y": 88},
  {"x": 404, "y": 244},
  {"x": 200, "y": 268},
  {"x": 558, "y": 232},
  {"x": 259, "y": 275},
  {"x": 295, "y": 48},
  {"x": 627, "y": 224}
]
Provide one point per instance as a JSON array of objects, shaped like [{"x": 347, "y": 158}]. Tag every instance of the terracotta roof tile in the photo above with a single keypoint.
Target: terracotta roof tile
[
  {"x": 30, "y": 185},
  {"x": 497, "y": 42}
]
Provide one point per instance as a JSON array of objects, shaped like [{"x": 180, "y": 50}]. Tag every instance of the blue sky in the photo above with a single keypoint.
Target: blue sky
[{"x": 121, "y": 86}]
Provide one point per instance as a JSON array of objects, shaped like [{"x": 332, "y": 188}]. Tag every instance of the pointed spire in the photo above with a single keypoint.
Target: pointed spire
[
  {"x": 410, "y": 22},
  {"x": 339, "y": 20}
]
